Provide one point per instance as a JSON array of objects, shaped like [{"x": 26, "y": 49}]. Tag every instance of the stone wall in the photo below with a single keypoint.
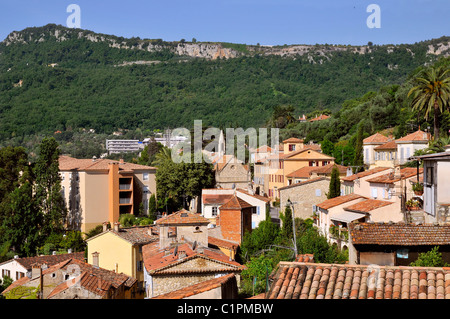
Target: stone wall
[{"x": 304, "y": 197}]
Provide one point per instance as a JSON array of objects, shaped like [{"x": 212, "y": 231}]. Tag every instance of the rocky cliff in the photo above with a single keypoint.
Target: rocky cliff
[{"x": 209, "y": 50}]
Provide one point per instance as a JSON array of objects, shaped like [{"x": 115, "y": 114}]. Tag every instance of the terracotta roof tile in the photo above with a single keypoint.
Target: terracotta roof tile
[
  {"x": 320, "y": 118},
  {"x": 304, "y": 172},
  {"x": 390, "y": 178},
  {"x": 67, "y": 163},
  {"x": 49, "y": 260},
  {"x": 217, "y": 199},
  {"x": 364, "y": 174},
  {"x": 376, "y": 138},
  {"x": 182, "y": 217},
  {"x": 235, "y": 203},
  {"x": 391, "y": 145},
  {"x": 332, "y": 202},
  {"x": 417, "y": 136},
  {"x": 89, "y": 278},
  {"x": 399, "y": 234},
  {"x": 157, "y": 260},
  {"x": 296, "y": 280},
  {"x": 293, "y": 140},
  {"x": 368, "y": 205}
]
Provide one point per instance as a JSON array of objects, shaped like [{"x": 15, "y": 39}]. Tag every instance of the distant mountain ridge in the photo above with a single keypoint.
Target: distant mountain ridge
[
  {"x": 210, "y": 50},
  {"x": 53, "y": 78}
]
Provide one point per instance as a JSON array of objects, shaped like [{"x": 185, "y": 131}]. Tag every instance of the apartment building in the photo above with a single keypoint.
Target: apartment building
[
  {"x": 123, "y": 146},
  {"x": 99, "y": 190}
]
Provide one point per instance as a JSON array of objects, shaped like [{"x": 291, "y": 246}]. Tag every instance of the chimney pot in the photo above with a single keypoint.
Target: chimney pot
[
  {"x": 116, "y": 226},
  {"x": 105, "y": 226}
]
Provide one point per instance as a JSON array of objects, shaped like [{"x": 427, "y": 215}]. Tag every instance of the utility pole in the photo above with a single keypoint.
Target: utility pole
[{"x": 293, "y": 226}]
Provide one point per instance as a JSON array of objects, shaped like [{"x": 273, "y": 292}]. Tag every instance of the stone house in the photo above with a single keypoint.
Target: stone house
[
  {"x": 231, "y": 173},
  {"x": 72, "y": 279},
  {"x": 305, "y": 196},
  {"x": 223, "y": 287},
  {"x": 182, "y": 256},
  {"x": 20, "y": 267}
]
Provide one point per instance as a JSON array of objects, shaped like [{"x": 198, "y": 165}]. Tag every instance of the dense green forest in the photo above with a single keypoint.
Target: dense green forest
[{"x": 87, "y": 88}]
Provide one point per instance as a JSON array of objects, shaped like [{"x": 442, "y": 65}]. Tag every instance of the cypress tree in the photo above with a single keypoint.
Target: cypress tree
[{"x": 335, "y": 184}]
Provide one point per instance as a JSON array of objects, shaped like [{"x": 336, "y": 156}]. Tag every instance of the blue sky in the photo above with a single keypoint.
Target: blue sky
[{"x": 268, "y": 22}]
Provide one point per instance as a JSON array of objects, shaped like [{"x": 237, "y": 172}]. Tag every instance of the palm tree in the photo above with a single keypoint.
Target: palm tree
[
  {"x": 432, "y": 93},
  {"x": 164, "y": 155}
]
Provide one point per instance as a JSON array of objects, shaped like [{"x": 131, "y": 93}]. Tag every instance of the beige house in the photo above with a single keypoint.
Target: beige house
[
  {"x": 99, "y": 190},
  {"x": 383, "y": 151},
  {"x": 304, "y": 196}
]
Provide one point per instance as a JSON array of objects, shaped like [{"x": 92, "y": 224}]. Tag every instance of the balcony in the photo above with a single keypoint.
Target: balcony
[
  {"x": 125, "y": 187},
  {"x": 124, "y": 200}
]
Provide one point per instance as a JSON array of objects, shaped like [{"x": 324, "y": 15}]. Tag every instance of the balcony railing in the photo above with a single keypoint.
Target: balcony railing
[{"x": 124, "y": 186}]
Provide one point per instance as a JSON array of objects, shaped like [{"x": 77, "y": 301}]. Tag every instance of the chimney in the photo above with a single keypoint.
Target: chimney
[
  {"x": 69, "y": 251},
  {"x": 447, "y": 148},
  {"x": 99, "y": 283},
  {"x": 36, "y": 271},
  {"x": 116, "y": 226},
  {"x": 105, "y": 226},
  {"x": 121, "y": 161}
]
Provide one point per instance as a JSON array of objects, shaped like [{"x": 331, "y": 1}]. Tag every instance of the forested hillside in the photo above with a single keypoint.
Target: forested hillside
[{"x": 51, "y": 82}]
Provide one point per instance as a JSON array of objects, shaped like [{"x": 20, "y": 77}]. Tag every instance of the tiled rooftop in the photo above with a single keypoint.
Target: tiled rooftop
[
  {"x": 235, "y": 203},
  {"x": 67, "y": 163},
  {"x": 216, "y": 199},
  {"x": 368, "y": 205},
  {"x": 399, "y": 234},
  {"x": 157, "y": 260},
  {"x": 332, "y": 202},
  {"x": 182, "y": 217},
  {"x": 88, "y": 278},
  {"x": 294, "y": 280},
  {"x": 364, "y": 174},
  {"x": 137, "y": 234},
  {"x": 391, "y": 145},
  {"x": 390, "y": 178},
  {"x": 417, "y": 136},
  {"x": 293, "y": 140},
  {"x": 49, "y": 260},
  {"x": 376, "y": 138}
]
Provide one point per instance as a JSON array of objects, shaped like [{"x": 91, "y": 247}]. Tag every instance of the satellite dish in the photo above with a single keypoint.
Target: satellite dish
[
  {"x": 233, "y": 186},
  {"x": 194, "y": 245}
]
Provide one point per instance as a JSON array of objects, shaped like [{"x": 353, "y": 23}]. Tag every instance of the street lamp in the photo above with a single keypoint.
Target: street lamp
[{"x": 293, "y": 226}]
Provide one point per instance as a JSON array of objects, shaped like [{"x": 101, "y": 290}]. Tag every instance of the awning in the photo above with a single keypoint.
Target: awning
[{"x": 347, "y": 217}]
